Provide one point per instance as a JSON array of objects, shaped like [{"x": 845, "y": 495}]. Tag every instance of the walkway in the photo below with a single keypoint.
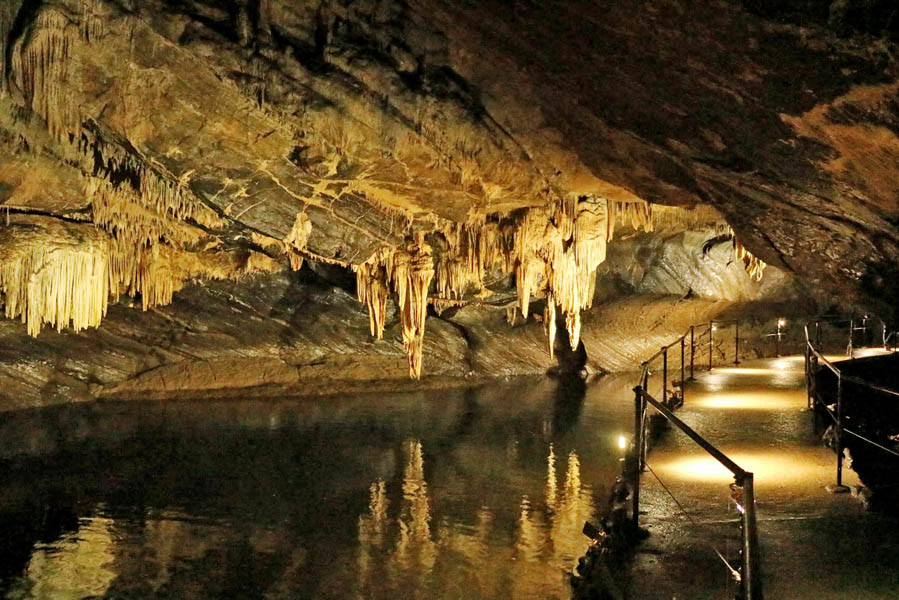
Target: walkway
[{"x": 814, "y": 544}]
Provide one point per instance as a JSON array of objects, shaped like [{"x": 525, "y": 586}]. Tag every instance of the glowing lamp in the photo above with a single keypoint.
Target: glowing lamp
[{"x": 622, "y": 442}]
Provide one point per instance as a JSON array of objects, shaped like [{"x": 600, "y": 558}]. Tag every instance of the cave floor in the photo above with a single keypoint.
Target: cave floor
[{"x": 813, "y": 544}]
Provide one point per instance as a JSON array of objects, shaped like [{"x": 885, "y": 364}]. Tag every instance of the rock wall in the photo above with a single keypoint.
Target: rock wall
[{"x": 445, "y": 153}]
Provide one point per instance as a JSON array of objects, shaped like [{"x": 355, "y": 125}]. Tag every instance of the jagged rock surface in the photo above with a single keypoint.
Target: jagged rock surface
[{"x": 217, "y": 140}]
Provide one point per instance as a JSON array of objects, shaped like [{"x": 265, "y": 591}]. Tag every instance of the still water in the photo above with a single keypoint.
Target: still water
[{"x": 466, "y": 493}]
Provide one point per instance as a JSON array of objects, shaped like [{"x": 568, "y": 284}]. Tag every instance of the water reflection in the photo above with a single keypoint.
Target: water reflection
[
  {"x": 477, "y": 493},
  {"x": 75, "y": 567},
  {"x": 402, "y": 554}
]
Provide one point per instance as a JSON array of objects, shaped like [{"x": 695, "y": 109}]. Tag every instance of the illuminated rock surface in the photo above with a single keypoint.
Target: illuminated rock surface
[{"x": 461, "y": 158}]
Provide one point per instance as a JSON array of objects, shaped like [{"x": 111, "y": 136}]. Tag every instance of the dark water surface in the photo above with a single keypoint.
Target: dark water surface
[
  {"x": 467, "y": 493},
  {"x": 456, "y": 494}
]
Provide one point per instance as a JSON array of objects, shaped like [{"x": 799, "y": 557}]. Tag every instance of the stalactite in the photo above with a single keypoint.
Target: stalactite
[
  {"x": 372, "y": 289},
  {"x": 698, "y": 218},
  {"x": 408, "y": 272},
  {"x": 553, "y": 251},
  {"x": 54, "y": 272},
  {"x": 129, "y": 217},
  {"x": 8, "y": 10},
  {"x": 754, "y": 266},
  {"x": 413, "y": 295},
  {"x": 549, "y": 323},
  {"x": 144, "y": 220},
  {"x": 296, "y": 239},
  {"x": 39, "y": 63},
  {"x": 636, "y": 215}
]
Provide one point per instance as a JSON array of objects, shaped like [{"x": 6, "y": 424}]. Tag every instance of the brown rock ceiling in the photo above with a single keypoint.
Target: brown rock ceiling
[{"x": 274, "y": 129}]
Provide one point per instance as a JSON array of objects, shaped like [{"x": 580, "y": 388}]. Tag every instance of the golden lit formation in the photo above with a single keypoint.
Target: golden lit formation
[
  {"x": 159, "y": 234},
  {"x": 53, "y": 272},
  {"x": 553, "y": 252}
]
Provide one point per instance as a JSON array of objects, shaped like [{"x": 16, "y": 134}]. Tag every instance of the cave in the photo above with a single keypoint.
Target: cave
[{"x": 352, "y": 298}]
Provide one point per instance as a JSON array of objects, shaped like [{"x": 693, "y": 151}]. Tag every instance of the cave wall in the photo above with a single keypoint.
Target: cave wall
[
  {"x": 221, "y": 142},
  {"x": 305, "y": 332}
]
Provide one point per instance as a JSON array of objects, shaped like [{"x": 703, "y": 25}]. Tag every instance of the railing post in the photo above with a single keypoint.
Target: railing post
[
  {"x": 692, "y": 352},
  {"x": 638, "y": 467},
  {"x": 839, "y": 430},
  {"x": 751, "y": 581},
  {"x": 850, "y": 348},
  {"x": 711, "y": 329},
  {"x": 818, "y": 335},
  {"x": 683, "y": 384},
  {"x": 665, "y": 375},
  {"x": 813, "y": 388},
  {"x": 737, "y": 343}
]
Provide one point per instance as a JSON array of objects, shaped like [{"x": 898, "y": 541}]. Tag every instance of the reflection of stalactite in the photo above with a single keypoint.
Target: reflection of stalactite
[
  {"x": 372, "y": 528},
  {"x": 531, "y": 535},
  {"x": 415, "y": 547},
  {"x": 78, "y": 566},
  {"x": 551, "y": 487},
  {"x": 545, "y": 538},
  {"x": 575, "y": 508}
]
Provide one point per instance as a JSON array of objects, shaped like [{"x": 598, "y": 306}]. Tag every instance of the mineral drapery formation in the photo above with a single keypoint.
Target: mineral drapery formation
[
  {"x": 440, "y": 150},
  {"x": 553, "y": 252},
  {"x": 55, "y": 274}
]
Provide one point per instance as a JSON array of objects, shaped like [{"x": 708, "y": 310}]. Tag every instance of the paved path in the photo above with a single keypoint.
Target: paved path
[{"x": 813, "y": 544}]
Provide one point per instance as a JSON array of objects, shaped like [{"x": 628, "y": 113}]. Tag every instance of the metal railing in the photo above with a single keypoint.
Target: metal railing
[
  {"x": 814, "y": 357},
  {"x": 749, "y": 576},
  {"x": 698, "y": 345},
  {"x": 750, "y": 579}
]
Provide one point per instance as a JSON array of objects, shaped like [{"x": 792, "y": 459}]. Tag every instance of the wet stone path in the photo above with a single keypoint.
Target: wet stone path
[{"x": 813, "y": 544}]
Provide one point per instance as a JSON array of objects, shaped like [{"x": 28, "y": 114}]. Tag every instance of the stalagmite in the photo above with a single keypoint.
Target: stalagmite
[{"x": 54, "y": 272}]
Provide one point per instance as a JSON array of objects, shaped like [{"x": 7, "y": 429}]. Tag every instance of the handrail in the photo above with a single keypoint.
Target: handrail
[
  {"x": 813, "y": 357},
  {"x": 749, "y": 577},
  {"x": 836, "y": 370},
  {"x": 704, "y": 328}
]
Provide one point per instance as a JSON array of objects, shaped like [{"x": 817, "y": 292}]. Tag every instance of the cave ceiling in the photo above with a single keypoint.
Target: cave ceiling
[{"x": 214, "y": 139}]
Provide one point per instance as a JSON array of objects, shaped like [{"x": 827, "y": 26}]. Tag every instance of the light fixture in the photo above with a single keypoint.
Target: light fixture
[
  {"x": 781, "y": 322},
  {"x": 622, "y": 442}
]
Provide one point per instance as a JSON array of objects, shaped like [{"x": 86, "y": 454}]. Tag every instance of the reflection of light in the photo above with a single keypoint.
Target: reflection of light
[
  {"x": 622, "y": 442},
  {"x": 740, "y": 508},
  {"x": 739, "y": 371},
  {"x": 771, "y": 468},
  {"x": 714, "y": 328},
  {"x": 747, "y": 400},
  {"x": 785, "y": 364}
]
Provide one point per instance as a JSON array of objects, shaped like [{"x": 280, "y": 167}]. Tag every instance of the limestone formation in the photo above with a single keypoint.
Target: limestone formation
[{"x": 457, "y": 155}]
